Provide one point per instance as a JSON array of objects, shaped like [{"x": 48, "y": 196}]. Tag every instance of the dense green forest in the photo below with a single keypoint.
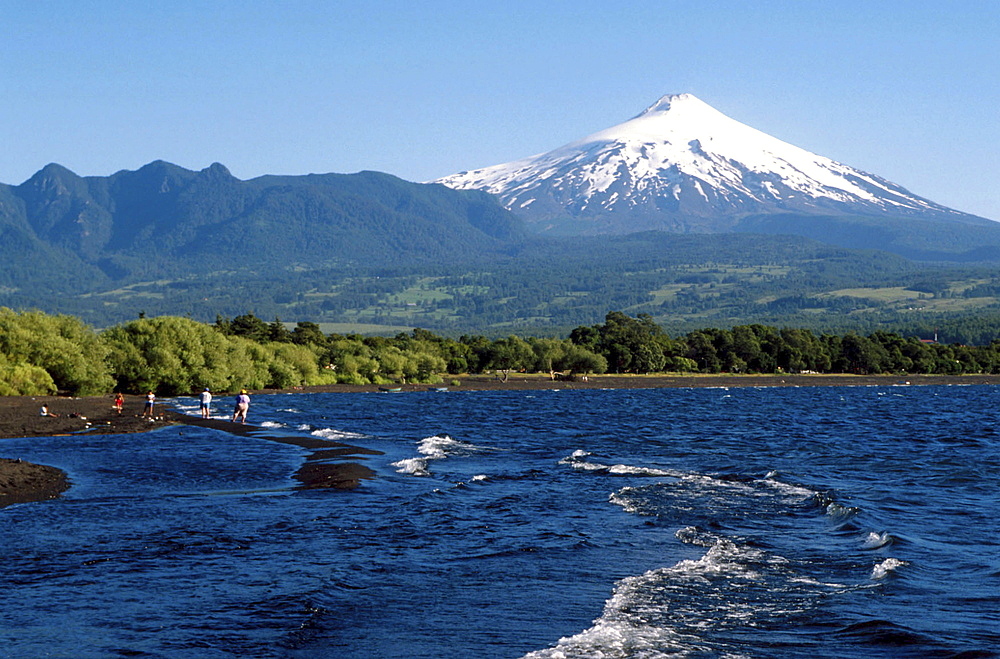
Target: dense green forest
[{"x": 42, "y": 354}]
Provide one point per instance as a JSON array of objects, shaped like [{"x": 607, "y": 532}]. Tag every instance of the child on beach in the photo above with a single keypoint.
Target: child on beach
[{"x": 119, "y": 403}]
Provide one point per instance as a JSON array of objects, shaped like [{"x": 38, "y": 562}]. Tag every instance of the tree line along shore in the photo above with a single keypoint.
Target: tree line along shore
[{"x": 43, "y": 354}]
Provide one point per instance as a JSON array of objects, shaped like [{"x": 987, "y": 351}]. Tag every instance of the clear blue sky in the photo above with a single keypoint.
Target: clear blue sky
[{"x": 906, "y": 90}]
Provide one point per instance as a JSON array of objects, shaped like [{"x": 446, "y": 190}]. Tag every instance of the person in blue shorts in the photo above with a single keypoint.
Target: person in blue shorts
[
  {"x": 148, "y": 409},
  {"x": 206, "y": 403}
]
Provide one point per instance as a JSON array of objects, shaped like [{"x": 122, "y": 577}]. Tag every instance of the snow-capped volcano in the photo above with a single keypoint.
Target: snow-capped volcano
[{"x": 682, "y": 165}]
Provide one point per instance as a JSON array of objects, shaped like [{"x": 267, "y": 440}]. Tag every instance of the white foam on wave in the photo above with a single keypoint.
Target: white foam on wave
[
  {"x": 889, "y": 565},
  {"x": 187, "y": 408},
  {"x": 436, "y": 447},
  {"x": 412, "y": 466},
  {"x": 810, "y": 581},
  {"x": 636, "y": 620},
  {"x": 578, "y": 460},
  {"x": 442, "y": 446},
  {"x": 876, "y": 540},
  {"x": 836, "y": 510},
  {"x": 625, "y": 498},
  {"x": 272, "y": 424},
  {"x": 712, "y": 483},
  {"x": 333, "y": 433},
  {"x": 796, "y": 491}
]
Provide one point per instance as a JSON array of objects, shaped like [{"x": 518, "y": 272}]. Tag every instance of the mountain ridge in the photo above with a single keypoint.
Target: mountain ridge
[{"x": 165, "y": 219}]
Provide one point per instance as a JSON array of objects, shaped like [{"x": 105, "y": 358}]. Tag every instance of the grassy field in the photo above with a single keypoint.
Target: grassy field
[{"x": 364, "y": 329}]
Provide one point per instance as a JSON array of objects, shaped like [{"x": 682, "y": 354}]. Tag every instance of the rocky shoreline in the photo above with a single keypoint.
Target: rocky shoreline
[{"x": 22, "y": 481}]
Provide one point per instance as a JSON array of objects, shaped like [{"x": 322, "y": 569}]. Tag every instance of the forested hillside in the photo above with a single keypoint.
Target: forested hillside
[{"x": 166, "y": 221}]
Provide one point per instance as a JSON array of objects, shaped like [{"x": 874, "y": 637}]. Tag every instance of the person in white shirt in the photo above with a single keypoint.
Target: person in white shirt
[
  {"x": 206, "y": 403},
  {"x": 148, "y": 410}
]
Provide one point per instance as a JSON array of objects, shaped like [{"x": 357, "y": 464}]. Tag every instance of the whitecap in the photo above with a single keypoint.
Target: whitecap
[
  {"x": 638, "y": 471},
  {"x": 692, "y": 535},
  {"x": 334, "y": 434},
  {"x": 272, "y": 424},
  {"x": 437, "y": 447},
  {"x": 882, "y": 570},
  {"x": 578, "y": 460},
  {"x": 876, "y": 540},
  {"x": 796, "y": 491},
  {"x": 412, "y": 466},
  {"x": 636, "y": 622},
  {"x": 443, "y": 445}
]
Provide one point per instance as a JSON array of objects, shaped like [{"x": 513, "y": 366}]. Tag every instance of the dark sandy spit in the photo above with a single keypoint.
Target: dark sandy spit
[{"x": 326, "y": 466}]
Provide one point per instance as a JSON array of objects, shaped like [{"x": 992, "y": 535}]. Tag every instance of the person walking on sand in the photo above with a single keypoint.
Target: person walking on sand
[
  {"x": 206, "y": 403},
  {"x": 148, "y": 410},
  {"x": 242, "y": 406},
  {"x": 119, "y": 402}
]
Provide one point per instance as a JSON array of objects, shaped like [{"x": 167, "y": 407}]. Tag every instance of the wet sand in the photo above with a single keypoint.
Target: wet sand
[
  {"x": 327, "y": 466},
  {"x": 20, "y": 417}
]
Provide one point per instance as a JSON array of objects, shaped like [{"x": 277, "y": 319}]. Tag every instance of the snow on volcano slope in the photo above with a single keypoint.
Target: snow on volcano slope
[{"x": 683, "y": 165}]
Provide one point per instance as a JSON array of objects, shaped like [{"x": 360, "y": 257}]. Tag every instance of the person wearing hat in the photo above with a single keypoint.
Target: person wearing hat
[
  {"x": 242, "y": 406},
  {"x": 206, "y": 402}
]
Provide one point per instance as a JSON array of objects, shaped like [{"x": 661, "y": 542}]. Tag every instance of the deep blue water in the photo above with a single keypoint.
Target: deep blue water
[{"x": 806, "y": 522}]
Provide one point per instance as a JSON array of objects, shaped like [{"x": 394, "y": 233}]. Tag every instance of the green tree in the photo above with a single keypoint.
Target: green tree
[
  {"x": 171, "y": 355},
  {"x": 631, "y": 345},
  {"x": 512, "y": 353},
  {"x": 306, "y": 333},
  {"x": 277, "y": 331},
  {"x": 250, "y": 327},
  {"x": 292, "y": 365},
  {"x": 21, "y": 379},
  {"x": 70, "y": 352},
  {"x": 702, "y": 351},
  {"x": 578, "y": 359},
  {"x": 861, "y": 355}
]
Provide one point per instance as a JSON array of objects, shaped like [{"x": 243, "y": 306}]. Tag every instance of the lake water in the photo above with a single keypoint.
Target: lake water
[{"x": 790, "y": 522}]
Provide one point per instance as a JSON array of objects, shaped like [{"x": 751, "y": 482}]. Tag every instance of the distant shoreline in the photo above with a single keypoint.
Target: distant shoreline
[
  {"x": 528, "y": 381},
  {"x": 20, "y": 416}
]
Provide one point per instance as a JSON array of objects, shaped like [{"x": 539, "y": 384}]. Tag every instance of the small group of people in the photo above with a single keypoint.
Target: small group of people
[{"x": 239, "y": 412}]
